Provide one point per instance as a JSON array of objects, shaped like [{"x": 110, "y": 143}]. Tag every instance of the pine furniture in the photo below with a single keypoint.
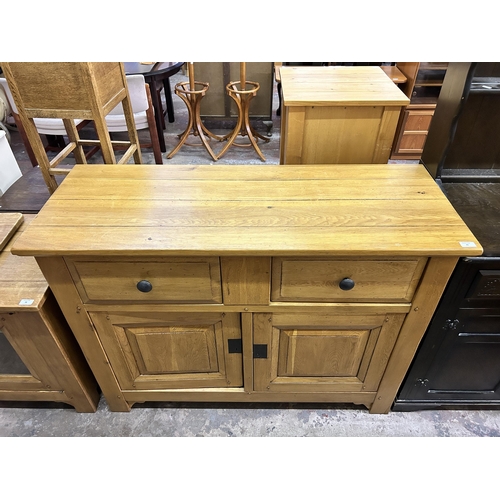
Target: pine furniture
[
  {"x": 40, "y": 359},
  {"x": 241, "y": 283},
  {"x": 338, "y": 114}
]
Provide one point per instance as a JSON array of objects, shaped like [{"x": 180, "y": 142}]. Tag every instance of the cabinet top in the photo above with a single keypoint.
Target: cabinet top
[
  {"x": 315, "y": 210},
  {"x": 22, "y": 284},
  {"x": 339, "y": 86}
]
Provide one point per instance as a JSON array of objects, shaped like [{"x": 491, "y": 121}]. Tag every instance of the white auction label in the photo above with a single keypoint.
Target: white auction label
[
  {"x": 26, "y": 302},
  {"x": 467, "y": 244}
]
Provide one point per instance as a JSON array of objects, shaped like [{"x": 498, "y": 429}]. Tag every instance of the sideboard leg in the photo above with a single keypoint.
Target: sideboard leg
[{"x": 425, "y": 301}]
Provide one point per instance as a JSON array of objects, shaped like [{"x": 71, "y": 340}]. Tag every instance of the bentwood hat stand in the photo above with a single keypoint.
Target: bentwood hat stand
[
  {"x": 192, "y": 92},
  {"x": 242, "y": 97},
  {"x": 81, "y": 90}
]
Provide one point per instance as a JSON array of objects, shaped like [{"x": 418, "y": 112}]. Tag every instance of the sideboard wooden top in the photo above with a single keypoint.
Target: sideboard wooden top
[
  {"x": 339, "y": 86},
  {"x": 313, "y": 210}
]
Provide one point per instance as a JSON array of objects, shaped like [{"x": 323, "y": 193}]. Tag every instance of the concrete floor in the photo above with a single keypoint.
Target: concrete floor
[{"x": 214, "y": 420}]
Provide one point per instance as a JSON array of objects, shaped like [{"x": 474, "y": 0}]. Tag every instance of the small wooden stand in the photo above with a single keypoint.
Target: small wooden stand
[
  {"x": 242, "y": 98},
  {"x": 192, "y": 97}
]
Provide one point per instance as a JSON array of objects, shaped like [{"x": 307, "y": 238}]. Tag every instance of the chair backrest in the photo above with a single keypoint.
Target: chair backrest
[
  {"x": 138, "y": 97},
  {"x": 51, "y": 126},
  {"x": 8, "y": 93}
]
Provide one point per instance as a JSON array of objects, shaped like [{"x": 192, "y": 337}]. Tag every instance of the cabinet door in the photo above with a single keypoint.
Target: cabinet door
[
  {"x": 464, "y": 355},
  {"x": 323, "y": 352},
  {"x": 172, "y": 350},
  {"x": 415, "y": 128}
]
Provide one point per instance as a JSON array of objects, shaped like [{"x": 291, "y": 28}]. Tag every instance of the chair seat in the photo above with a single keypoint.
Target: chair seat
[
  {"x": 116, "y": 123},
  {"x": 52, "y": 126}
]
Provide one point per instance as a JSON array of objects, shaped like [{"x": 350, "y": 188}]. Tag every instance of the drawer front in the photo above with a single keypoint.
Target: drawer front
[
  {"x": 325, "y": 280},
  {"x": 174, "y": 280},
  {"x": 418, "y": 120}
]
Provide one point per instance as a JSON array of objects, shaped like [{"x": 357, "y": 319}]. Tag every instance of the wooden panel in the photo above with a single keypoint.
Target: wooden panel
[
  {"x": 172, "y": 280},
  {"x": 318, "y": 280},
  {"x": 70, "y": 303},
  {"x": 339, "y": 85},
  {"x": 223, "y": 234},
  {"x": 174, "y": 349},
  {"x": 412, "y": 143},
  {"x": 171, "y": 350},
  {"x": 331, "y": 134},
  {"x": 415, "y": 125},
  {"x": 293, "y": 119},
  {"x": 323, "y": 352},
  {"x": 418, "y": 120},
  {"x": 385, "y": 136},
  {"x": 433, "y": 283},
  {"x": 44, "y": 342},
  {"x": 246, "y": 280},
  {"x": 22, "y": 285},
  {"x": 8, "y": 226}
]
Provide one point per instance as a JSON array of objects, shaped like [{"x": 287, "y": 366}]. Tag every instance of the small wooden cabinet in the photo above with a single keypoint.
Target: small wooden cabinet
[
  {"x": 423, "y": 86},
  {"x": 40, "y": 359},
  {"x": 338, "y": 114},
  {"x": 257, "y": 284}
]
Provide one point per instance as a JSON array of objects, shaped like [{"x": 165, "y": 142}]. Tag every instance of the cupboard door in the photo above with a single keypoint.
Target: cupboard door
[
  {"x": 415, "y": 127},
  {"x": 325, "y": 352},
  {"x": 172, "y": 350}
]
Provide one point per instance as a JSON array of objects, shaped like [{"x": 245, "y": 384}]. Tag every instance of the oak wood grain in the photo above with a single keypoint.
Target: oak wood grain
[{"x": 277, "y": 210}]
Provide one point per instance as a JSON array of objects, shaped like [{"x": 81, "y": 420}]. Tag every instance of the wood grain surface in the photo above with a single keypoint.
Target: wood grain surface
[{"x": 248, "y": 210}]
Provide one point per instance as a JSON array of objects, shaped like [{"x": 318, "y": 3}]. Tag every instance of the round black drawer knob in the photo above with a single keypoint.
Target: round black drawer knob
[
  {"x": 144, "y": 286},
  {"x": 346, "y": 284}
]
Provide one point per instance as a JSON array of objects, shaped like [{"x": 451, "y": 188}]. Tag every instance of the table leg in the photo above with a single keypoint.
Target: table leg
[
  {"x": 158, "y": 115},
  {"x": 168, "y": 100}
]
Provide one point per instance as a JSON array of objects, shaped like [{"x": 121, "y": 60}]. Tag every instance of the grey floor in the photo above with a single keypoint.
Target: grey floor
[{"x": 182, "y": 420}]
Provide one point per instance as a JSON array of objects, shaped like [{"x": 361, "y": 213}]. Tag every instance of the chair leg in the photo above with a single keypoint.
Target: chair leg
[
  {"x": 25, "y": 139},
  {"x": 153, "y": 132},
  {"x": 104, "y": 139},
  {"x": 40, "y": 154},
  {"x": 132, "y": 131}
]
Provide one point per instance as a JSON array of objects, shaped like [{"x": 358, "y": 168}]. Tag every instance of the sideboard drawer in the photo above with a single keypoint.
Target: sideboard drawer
[
  {"x": 172, "y": 280},
  {"x": 338, "y": 280}
]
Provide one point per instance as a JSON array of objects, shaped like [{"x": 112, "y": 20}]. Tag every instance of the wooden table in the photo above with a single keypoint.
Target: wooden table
[
  {"x": 338, "y": 114},
  {"x": 157, "y": 75},
  {"x": 248, "y": 283},
  {"x": 40, "y": 359}
]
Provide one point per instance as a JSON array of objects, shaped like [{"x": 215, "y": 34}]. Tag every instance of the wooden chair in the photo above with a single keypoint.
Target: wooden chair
[
  {"x": 82, "y": 90},
  {"x": 144, "y": 114},
  {"x": 52, "y": 128}
]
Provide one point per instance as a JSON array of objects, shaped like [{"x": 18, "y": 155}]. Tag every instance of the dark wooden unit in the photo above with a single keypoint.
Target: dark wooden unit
[{"x": 458, "y": 361}]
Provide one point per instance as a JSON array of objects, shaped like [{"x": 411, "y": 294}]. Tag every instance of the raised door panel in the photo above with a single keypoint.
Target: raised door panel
[
  {"x": 324, "y": 352},
  {"x": 412, "y": 142},
  {"x": 418, "y": 120},
  {"x": 171, "y": 350}
]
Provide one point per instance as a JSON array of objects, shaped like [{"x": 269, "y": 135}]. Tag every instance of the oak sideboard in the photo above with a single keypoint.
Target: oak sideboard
[{"x": 244, "y": 283}]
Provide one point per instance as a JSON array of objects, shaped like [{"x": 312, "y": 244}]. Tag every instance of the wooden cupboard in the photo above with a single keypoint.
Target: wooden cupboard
[
  {"x": 423, "y": 86},
  {"x": 40, "y": 359},
  {"x": 338, "y": 114},
  {"x": 238, "y": 283}
]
